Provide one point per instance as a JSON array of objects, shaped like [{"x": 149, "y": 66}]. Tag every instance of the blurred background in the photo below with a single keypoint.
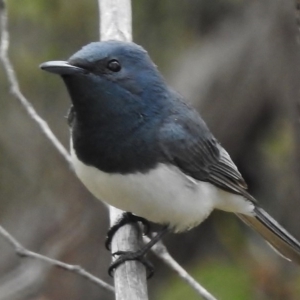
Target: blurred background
[{"x": 237, "y": 61}]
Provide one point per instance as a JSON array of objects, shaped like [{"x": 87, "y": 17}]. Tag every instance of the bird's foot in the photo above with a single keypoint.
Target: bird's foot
[
  {"x": 138, "y": 255},
  {"x": 129, "y": 255},
  {"x": 126, "y": 218}
]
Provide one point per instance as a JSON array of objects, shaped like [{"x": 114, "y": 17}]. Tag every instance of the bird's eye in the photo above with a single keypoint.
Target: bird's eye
[{"x": 114, "y": 65}]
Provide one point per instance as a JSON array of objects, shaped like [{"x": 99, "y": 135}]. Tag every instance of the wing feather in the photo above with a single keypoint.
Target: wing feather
[{"x": 187, "y": 143}]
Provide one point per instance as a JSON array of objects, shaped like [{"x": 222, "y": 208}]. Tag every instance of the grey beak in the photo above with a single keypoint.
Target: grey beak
[{"x": 62, "y": 68}]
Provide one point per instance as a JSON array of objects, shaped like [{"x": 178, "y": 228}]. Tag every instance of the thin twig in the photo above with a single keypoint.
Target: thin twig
[
  {"x": 15, "y": 89},
  {"x": 23, "y": 252},
  {"x": 161, "y": 252}
]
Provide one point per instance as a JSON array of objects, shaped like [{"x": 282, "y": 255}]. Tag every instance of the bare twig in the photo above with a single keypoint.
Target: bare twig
[
  {"x": 23, "y": 252},
  {"x": 15, "y": 89},
  {"x": 161, "y": 252}
]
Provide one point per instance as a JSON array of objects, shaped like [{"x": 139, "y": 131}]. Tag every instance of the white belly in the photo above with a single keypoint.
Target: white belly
[{"x": 163, "y": 195}]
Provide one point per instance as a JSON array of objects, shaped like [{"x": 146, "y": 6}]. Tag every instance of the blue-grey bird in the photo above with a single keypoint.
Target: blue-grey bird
[{"x": 136, "y": 145}]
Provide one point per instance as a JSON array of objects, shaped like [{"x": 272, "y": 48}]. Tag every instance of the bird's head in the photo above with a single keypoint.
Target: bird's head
[{"x": 110, "y": 78}]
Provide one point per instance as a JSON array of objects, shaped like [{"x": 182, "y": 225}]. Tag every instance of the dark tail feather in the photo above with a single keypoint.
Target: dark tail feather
[{"x": 274, "y": 233}]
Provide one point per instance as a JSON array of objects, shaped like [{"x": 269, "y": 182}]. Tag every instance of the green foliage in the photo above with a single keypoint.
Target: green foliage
[
  {"x": 225, "y": 281},
  {"x": 278, "y": 143}
]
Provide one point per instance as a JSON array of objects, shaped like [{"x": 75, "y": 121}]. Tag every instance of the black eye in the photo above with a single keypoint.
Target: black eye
[{"x": 114, "y": 65}]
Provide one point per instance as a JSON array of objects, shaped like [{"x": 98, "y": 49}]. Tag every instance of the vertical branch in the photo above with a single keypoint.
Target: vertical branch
[
  {"x": 115, "y": 20},
  {"x": 130, "y": 277}
]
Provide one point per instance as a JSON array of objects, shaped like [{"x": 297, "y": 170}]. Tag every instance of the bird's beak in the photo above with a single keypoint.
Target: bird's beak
[{"x": 62, "y": 68}]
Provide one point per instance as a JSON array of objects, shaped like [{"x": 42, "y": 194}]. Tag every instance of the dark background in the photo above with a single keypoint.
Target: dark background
[{"x": 237, "y": 62}]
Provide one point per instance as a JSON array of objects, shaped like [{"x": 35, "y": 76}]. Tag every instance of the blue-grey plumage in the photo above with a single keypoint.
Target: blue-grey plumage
[{"x": 138, "y": 146}]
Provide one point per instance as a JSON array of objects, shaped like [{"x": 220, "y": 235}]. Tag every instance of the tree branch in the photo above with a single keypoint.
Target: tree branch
[
  {"x": 23, "y": 252},
  {"x": 130, "y": 277}
]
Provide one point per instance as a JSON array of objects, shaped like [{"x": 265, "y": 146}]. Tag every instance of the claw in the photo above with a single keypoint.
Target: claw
[
  {"x": 118, "y": 253},
  {"x": 128, "y": 255},
  {"x": 138, "y": 255},
  {"x": 125, "y": 219}
]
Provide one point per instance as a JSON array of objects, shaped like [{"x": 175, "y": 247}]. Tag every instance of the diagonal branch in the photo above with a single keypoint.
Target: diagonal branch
[
  {"x": 15, "y": 88},
  {"x": 23, "y": 252}
]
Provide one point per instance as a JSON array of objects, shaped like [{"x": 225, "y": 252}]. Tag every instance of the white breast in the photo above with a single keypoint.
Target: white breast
[{"x": 163, "y": 195}]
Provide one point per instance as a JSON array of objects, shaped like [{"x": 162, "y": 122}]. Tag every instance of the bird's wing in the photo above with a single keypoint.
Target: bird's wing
[{"x": 186, "y": 142}]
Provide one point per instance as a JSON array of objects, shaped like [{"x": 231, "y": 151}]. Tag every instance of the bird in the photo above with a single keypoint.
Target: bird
[{"x": 137, "y": 145}]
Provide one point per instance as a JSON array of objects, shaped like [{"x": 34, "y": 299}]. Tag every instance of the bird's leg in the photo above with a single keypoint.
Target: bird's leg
[
  {"x": 126, "y": 218},
  {"x": 138, "y": 255}
]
